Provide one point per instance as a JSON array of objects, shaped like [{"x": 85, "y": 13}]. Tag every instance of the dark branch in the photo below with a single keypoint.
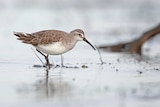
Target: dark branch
[{"x": 136, "y": 45}]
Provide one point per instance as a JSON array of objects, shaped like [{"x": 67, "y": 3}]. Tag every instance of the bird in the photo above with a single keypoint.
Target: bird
[{"x": 53, "y": 42}]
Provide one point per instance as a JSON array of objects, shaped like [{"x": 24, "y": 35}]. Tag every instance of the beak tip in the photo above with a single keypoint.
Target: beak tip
[{"x": 84, "y": 39}]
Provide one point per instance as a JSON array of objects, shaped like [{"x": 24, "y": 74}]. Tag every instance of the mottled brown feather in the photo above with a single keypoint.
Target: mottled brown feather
[{"x": 42, "y": 37}]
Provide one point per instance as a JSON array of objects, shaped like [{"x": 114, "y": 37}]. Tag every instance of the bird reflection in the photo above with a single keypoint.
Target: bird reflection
[{"x": 48, "y": 87}]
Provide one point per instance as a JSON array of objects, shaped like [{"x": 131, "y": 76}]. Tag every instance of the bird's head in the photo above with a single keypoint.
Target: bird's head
[{"x": 79, "y": 36}]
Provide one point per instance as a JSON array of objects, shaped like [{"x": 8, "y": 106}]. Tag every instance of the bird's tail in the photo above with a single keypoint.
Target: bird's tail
[{"x": 24, "y": 37}]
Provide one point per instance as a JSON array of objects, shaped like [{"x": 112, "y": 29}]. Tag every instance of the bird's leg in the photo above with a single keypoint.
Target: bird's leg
[
  {"x": 46, "y": 58},
  {"x": 47, "y": 61},
  {"x": 40, "y": 52},
  {"x": 62, "y": 64},
  {"x": 62, "y": 61}
]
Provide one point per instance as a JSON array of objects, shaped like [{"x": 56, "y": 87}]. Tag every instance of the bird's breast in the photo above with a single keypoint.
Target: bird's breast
[{"x": 54, "y": 48}]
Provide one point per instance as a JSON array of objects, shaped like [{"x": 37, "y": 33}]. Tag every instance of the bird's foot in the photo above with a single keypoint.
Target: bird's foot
[
  {"x": 63, "y": 66},
  {"x": 48, "y": 66},
  {"x": 45, "y": 66}
]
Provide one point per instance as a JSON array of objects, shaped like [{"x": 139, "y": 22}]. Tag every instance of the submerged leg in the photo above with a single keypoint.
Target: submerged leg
[{"x": 46, "y": 58}]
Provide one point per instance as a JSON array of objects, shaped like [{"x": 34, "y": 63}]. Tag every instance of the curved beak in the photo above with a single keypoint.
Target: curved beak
[{"x": 84, "y": 39}]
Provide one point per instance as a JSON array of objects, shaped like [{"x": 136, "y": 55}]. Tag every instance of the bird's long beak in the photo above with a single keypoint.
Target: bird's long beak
[{"x": 84, "y": 39}]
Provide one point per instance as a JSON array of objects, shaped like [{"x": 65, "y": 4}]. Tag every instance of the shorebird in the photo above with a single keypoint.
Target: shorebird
[{"x": 53, "y": 42}]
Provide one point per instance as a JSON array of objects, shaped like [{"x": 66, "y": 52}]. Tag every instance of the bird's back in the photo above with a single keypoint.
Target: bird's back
[{"x": 41, "y": 37}]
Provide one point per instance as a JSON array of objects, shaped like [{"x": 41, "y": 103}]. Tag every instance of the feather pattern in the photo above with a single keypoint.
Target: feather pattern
[{"x": 42, "y": 37}]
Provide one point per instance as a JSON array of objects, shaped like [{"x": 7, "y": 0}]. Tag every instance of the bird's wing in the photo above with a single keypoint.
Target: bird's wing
[{"x": 47, "y": 37}]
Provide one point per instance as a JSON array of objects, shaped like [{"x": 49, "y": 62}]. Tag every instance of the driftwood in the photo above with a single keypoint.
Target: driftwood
[{"x": 136, "y": 45}]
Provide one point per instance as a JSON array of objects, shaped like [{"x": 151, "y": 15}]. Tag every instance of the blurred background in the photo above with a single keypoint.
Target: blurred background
[
  {"x": 121, "y": 82},
  {"x": 112, "y": 21}
]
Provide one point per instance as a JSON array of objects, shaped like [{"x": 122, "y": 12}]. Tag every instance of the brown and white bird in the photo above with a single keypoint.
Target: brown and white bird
[{"x": 53, "y": 42}]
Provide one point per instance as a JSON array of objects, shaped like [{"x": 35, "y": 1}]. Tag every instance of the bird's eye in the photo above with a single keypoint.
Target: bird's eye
[{"x": 79, "y": 34}]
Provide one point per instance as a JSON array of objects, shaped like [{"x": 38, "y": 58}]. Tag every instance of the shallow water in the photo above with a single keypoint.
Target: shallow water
[{"x": 123, "y": 81}]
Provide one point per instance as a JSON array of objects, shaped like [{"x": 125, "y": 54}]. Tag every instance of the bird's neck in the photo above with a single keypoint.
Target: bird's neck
[{"x": 71, "y": 42}]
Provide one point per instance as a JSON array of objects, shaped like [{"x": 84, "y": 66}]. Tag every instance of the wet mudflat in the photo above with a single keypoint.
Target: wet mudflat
[{"x": 123, "y": 81}]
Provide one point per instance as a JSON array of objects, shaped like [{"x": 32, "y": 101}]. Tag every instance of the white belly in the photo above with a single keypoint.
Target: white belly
[{"x": 52, "y": 49}]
